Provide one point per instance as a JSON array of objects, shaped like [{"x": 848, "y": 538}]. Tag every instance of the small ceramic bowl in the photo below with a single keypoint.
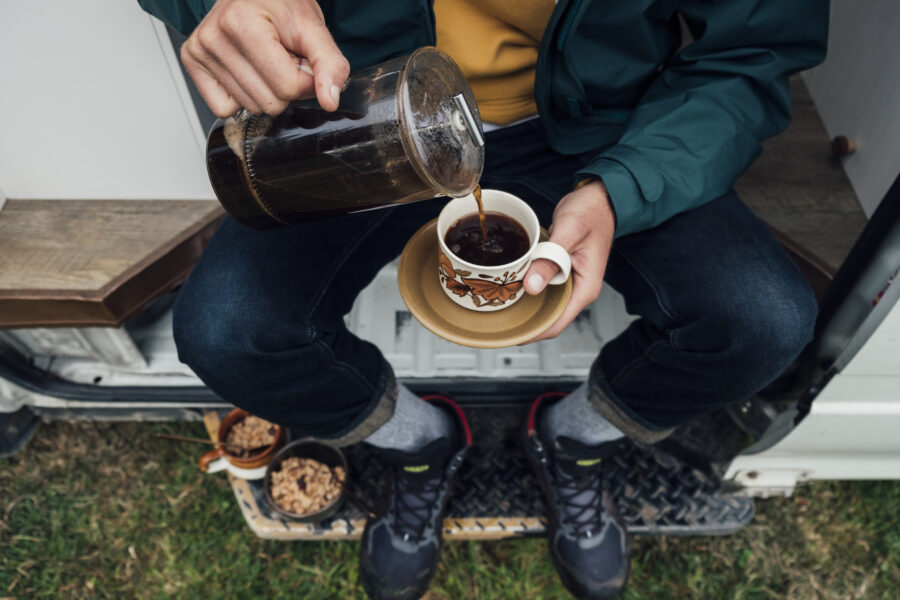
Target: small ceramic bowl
[
  {"x": 307, "y": 448},
  {"x": 249, "y": 467}
]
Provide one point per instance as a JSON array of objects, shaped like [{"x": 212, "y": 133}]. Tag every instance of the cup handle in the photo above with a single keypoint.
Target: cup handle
[
  {"x": 557, "y": 254},
  {"x": 206, "y": 461}
]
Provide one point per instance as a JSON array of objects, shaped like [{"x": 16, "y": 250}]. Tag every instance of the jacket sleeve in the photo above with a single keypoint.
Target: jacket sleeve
[
  {"x": 182, "y": 15},
  {"x": 701, "y": 122}
]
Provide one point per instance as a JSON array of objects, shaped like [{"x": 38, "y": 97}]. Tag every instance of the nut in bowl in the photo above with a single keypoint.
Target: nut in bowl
[
  {"x": 305, "y": 481},
  {"x": 246, "y": 444}
]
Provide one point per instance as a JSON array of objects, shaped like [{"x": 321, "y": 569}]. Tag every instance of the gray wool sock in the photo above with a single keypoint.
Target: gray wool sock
[
  {"x": 574, "y": 417},
  {"x": 415, "y": 423}
]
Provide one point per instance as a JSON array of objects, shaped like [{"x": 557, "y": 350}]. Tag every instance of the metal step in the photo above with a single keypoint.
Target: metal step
[{"x": 496, "y": 494}]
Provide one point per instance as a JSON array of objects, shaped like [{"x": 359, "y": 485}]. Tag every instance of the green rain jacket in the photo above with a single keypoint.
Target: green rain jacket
[{"x": 667, "y": 127}]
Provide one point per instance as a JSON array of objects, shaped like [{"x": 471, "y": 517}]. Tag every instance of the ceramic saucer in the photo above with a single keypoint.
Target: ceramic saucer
[{"x": 420, "y": 288}]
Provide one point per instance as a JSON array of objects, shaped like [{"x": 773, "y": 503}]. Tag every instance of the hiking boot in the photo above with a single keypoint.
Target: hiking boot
[
  {"x": 402, "y": 542},
  {"x": 587, "y": 537}
]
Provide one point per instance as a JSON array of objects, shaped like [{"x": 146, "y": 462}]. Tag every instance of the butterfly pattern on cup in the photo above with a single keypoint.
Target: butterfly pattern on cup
[{"x": 485, "y": 290}]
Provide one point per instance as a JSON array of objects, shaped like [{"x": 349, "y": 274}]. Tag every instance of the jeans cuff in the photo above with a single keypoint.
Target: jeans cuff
[
  {"x": 379, "y": 412},
  {"x": 625, "y": 420}
]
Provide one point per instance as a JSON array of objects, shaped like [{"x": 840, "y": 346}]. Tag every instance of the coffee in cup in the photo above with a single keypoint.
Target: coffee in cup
[
  {"x": 478, "y": 279},
  {"x": 506, "y": 239}
]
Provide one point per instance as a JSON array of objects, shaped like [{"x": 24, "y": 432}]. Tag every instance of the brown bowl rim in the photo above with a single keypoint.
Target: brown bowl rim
[{"x": 257, "y": 460}]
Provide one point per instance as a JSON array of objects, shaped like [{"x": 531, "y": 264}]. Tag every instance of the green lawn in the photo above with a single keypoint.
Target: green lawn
[{"x": 110, "y": 511}]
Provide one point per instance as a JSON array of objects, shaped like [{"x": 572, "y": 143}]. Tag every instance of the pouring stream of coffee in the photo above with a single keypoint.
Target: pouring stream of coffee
[{"x": 481, "y": 219}]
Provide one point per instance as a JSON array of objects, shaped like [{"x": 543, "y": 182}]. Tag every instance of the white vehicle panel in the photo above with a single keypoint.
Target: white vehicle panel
[
  {"x": 852, "y": 429},
  {"x": 94, "y": 106}
]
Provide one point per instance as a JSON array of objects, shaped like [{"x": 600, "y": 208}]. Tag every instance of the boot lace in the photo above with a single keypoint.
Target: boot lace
[
  {"x": 580, "y": 498},
  {"x": 414, "y": 501}
]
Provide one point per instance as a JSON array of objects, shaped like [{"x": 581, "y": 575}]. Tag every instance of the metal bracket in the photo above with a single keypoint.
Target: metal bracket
[{"x": 469, "y": 120}]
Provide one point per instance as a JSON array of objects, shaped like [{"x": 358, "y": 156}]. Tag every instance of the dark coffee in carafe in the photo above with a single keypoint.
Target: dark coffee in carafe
[{"x": 405, "y": 130}]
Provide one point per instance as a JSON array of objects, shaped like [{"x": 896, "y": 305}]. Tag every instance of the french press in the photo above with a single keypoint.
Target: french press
[{"x": 405, "y": 130}]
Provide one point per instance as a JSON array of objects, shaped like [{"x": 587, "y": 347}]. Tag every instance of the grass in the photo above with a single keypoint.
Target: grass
[{"x": 93, "y": 510}]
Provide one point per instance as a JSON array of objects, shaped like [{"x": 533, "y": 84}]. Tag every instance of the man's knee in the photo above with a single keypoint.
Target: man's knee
[
  {"x": 206, "y": 336},
  {"x": 762, "y": 331},
  {"x": 224, "y": 341},
  {"x": 739, "y": 330}
]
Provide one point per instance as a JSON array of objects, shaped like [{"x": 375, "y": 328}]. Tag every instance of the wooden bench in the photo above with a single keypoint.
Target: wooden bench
[{"x": 79, "y": 263}]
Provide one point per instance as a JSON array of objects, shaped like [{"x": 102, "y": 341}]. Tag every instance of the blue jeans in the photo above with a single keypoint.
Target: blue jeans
[{"x": 723, "y": 310}]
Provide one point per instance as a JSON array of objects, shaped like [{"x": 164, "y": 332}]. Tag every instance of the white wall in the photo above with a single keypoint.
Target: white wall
[
  {"x": 857, "y": 91},
  {"x": 92, "y": 105}
]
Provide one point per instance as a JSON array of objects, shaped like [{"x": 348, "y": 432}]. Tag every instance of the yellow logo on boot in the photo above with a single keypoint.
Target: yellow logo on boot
[
  {"x": 587, "y": 462},
  {"x": 416, "y": 468}
]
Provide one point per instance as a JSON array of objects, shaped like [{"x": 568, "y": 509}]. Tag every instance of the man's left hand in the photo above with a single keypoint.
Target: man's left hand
[{"x": 583, "y": 224}]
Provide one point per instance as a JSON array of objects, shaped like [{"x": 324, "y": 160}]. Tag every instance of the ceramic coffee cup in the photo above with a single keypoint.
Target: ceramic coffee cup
[
  {"x": 489, "y": 288},
  {"x": 251, "y": 467}
]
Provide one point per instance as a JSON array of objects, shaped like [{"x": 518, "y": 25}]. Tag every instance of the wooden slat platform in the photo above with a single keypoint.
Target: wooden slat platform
[{"x": 95, "y": 262}]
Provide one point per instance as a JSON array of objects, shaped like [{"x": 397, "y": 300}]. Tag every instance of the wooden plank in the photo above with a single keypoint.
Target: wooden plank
[
  {"x": 212, "y": 421},
  {"x": 95, "y": 262},
  {"x": 799, "y": 189},
  {"x": 78, "y": 247},
  {"x": 270, "y": 525}
]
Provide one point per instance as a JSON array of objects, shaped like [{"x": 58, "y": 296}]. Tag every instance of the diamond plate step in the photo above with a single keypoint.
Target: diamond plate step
[{"x": 496, "y": 494}]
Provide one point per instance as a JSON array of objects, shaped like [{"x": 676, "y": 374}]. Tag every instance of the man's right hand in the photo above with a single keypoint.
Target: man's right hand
[{"x": 246, "y": 53}]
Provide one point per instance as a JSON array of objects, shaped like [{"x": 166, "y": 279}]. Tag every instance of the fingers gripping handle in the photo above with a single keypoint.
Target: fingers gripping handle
[{"x": 556, "y": 254}]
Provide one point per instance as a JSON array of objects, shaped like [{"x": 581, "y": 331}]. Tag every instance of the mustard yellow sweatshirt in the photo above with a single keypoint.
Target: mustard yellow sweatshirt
[{"x": 495, "y": 43}]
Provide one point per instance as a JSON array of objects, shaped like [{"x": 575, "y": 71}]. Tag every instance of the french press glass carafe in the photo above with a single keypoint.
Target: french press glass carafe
[{"x": 405, "y": 130}]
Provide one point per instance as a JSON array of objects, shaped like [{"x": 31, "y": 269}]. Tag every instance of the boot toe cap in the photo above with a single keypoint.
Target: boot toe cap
[
  {"x": 594, "y": 568},
  {"x": 395, "y": 569}
]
